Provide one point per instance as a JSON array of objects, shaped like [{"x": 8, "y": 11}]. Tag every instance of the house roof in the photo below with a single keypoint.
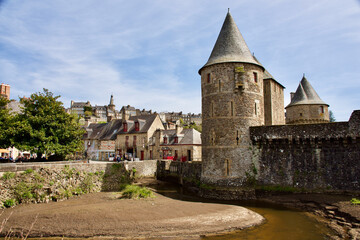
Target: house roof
[
  {"x": 230, "y": 46},
  {"x": 305, "y": 94},
  {"x": 188, "y": 136},
  {"x": 109, "y": 131}
]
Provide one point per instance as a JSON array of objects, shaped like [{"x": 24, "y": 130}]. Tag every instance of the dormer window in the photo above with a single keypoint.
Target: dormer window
[
  {"x": 165, "y": 140},
  {"x": 137, "y": 128},
  {"x": 176, "y": 139},
  {"x": 125, "y": 127}
]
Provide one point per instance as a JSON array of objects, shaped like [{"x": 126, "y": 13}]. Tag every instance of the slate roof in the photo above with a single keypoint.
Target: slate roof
[
  {"x": 109, "y": 131},
  {"x": 230, "y": 46},
  {"x": 305, "y": 94},
  {"x": 187, "y": 136}
]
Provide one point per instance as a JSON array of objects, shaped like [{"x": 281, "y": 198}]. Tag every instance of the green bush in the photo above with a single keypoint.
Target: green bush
[
  {"x": 28, "y": 171},
  {"x": 8, "y": 175},
  {"x": 23, "y": 192},
  {"x": 87, "y": 184},
  {"x": 9, "y": 203},
  {"x": 136, "y": 192},
  {"x": 355, "y": 201}
]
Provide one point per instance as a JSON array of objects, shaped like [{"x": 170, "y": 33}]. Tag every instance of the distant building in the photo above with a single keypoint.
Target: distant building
[{"x": 5, "y": 90}]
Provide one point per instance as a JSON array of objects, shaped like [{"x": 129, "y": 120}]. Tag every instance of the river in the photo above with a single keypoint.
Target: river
[{"x": 281, "y": 223}]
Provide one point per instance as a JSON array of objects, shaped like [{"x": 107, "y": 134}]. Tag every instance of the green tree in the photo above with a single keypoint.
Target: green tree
[
  {"x": 45, "y": 127},
  {"x": 331, "y": 116},
  {"x": 5, "y": 123},
  {"x": 88, "y": 111}
]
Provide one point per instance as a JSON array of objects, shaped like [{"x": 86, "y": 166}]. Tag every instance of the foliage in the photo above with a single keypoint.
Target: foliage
[
  {"x": 87, "y": 184},
  {"x": 29, "y": 171},
  {"x": 355, "y": 201},
  {"x": 23, "y": 192},
  {"x": 136, "y": 192},
  {"x": 44, "y": 127},
  {"x": 331, "y": 116},
  {"x": 6, "y": 123},
  {"x": 8, "y": 175},
  {"x": 9, "y": 203}
]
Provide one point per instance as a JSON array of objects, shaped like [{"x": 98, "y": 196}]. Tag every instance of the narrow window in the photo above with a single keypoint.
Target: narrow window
[
  {"x": 256, "y": 112},
  {"x": 165, "y": 140},
  {"x": 125, "y": 127},
  {"x": 212, "y": 109},
  {"x": 321, "y": 109},
  {"x": 136, "y": 126},
  {"x": 134, "y": 141},
  {"x": 176, "y": 140},
  {"x": 208, "y": 78},
  {"x": 219, "y": 86},
  {"x": 300, "y": 114},
  {"x": 237, "y": 138},
  {"x": 255, "y": 77},
  {"x": 227, "y": 167},
  {"x": 232, "y": 108}
]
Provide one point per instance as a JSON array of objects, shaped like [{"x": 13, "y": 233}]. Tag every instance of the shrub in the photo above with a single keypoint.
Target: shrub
[
  {"x": 23, "y": 192},
  {"x": 28, "y": 171},
  {"x": 87, "y": 184},
  {"x": 355, "y": 201},
  {"x": 8, "y": 175},
  {"x": 9, "y": 203},
  {"x": 136, "y": 192}
]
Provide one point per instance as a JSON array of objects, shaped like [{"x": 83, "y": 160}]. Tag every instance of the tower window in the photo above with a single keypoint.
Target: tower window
[
  {"x": 321, "y": 109},
  {"x": 255, "y": 77},
  {"x": 208, "y": 78},
  {"x": 231, "y": 108},
  {"x": 212, "y": 109},
  {"x": 219, "y": 86}
]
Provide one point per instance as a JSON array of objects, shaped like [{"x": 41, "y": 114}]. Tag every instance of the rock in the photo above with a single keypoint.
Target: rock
[{"x": 354, "y": 234}]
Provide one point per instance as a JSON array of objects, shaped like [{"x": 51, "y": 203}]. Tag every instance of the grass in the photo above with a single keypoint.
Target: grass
[
  {"x": 136, "y": 192},
  {"x": 355, "y": 201},
  {"x": 8, "y": 175}
]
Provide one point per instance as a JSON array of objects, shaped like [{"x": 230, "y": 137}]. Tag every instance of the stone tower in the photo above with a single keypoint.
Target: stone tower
[
  {"x": 306, "y": 106},
  {"x": 232, "y": 101},
  {"x": 111, "y": 105}
]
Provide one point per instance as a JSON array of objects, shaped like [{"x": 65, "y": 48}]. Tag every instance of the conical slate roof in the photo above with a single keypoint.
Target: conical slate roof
[
  {"x": 305, "y": 94},
  {"x": 230, "y": 46}
]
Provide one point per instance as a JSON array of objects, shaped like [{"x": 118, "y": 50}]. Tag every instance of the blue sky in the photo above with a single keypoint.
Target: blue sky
[{"x": 148, "y": 53}]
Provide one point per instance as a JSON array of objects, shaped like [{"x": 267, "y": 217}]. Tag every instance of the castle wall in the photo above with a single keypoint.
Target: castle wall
[
  {"x": 231, "y": 102},
  {"x": 311, "y": 156}
]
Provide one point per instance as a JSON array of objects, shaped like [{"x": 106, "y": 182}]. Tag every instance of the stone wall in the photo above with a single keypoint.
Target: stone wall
[
  {"x": 187, "y": 173},
  {"x": 312, "y": 156},
  {"x": 143, "y": 168},
  {"x": 305, "y": 114}
]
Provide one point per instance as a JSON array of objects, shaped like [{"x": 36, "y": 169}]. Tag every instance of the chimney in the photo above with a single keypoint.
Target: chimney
[
  {"x": 124, "y": 115},
  {"x": 291, "y": 96},
  {"x": 178, "y": 129}
]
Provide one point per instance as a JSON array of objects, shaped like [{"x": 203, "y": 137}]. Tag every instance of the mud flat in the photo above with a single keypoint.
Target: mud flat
[{"x": 104, "y": 214}]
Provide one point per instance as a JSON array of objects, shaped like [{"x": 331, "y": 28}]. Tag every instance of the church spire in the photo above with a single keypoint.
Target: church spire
[{"x": 230, "y": 46}]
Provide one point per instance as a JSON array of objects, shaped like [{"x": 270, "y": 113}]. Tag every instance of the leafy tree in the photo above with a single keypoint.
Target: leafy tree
[
  {"x": 331, "y": 116},
  {"x": 45, "y": 127},
  {"x": 88, "y": 111},
  {"x": 5, "y": 123}
]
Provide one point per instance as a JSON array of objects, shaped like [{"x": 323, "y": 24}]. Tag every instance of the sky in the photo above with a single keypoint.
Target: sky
[{"x": 148, "y": 53}]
